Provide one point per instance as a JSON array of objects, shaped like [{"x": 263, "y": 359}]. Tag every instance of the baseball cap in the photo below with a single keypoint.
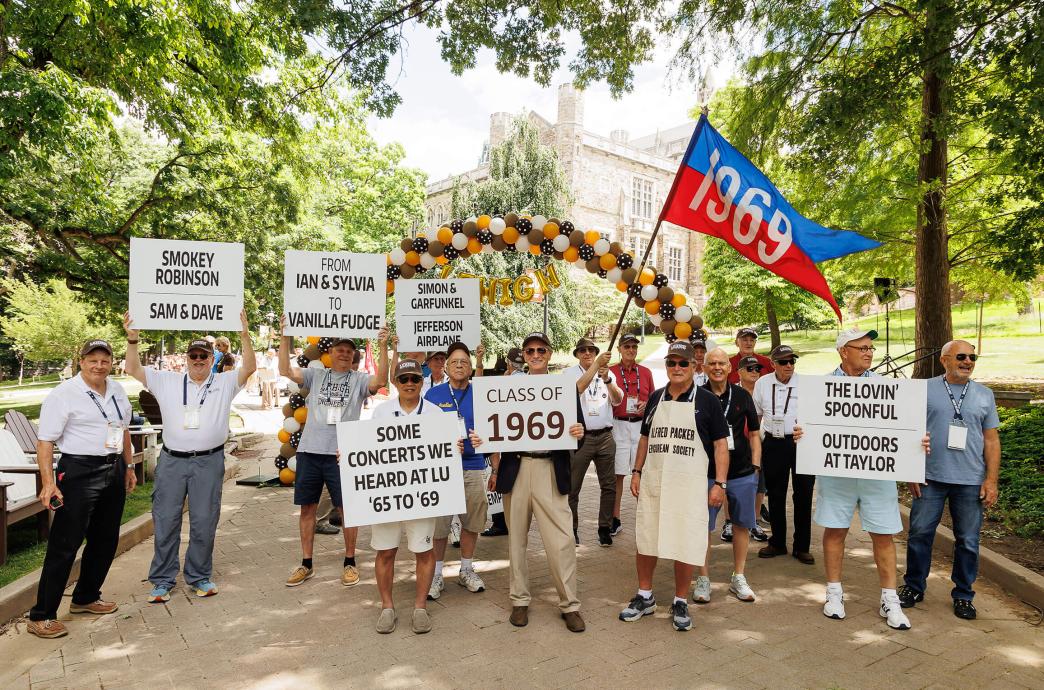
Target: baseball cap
[
  {"x": 436, "y": 353},
  {"x": 515, "y": 355},
  {"x": 746, "y": 331},
  {"x": 782, "y": 352},
  {"x": 408, "y": 366},
  {"x": 845, "y": 337},
  {"x": 201, "y": 344},
  {"x": 536, "y": 335},
  {"x": 96, "y": 344},
  {"x": 748, "y": 361},
  {"x": 453, "y": 348},
  {"x": 585, "y": 342},
  {"x": 338, "y": 341},
  {"x": 681, "y": 348},
  {"x": 699, "y": 343},
  {"x": 629, "y": 338}
]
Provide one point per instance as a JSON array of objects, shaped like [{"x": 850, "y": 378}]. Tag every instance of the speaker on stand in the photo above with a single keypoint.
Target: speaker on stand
[{"x": 887, "y": 291}]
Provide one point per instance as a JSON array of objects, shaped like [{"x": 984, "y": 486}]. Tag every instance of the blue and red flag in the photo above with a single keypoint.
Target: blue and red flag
[{"x": 718, "y": 192}]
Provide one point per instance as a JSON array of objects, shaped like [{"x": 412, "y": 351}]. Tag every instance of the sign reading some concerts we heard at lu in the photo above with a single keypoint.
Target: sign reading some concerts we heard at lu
[
  {"x": 862, "y": 427},
  {"x": 180, "y": 285},
  {"x": 334, "y": 293},
  {"x": 433, "y": 314}
]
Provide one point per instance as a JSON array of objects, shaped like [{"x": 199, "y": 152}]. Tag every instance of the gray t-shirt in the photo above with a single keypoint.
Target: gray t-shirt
[
  {"x": 979, "y": 412},
  {"x": 327, "y": 388}
]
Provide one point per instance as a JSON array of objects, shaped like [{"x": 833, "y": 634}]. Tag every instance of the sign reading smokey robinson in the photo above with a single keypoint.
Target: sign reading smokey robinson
[
  {"x": 514, "y": 413},
  {"x": 334, "y": 293},
  {"x": 399, "y": 469},
  {"x": 179, "y": 285},
  {"x": 863, "y": 427},
  {"x": 432, "y": 314}
]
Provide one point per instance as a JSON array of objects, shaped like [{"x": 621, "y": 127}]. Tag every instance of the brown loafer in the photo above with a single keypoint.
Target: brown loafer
[
  {"x": 574, "y": 622},
  {"x": 805, "y": 557},
  {"x": 771, "y": 551},
  {"x": 98, "y": 608},
  {"x": 46, "y": 629},
  {"x": 519, "y": 616}
]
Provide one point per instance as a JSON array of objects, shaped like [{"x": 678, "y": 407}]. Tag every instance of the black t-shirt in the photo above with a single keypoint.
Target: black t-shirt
[
  {"x": 742, "y": 416},
  {"x": 710, "y": 421}
]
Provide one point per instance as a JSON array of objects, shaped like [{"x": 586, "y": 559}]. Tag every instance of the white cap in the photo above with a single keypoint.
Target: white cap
[{"x": 845, "y": 337}]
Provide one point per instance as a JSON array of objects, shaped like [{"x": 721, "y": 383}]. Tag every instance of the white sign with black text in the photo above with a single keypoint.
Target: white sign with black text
[
  {"x": 334, "y": 293},
  {"x": 862, "y": 427},
  {"x": 178, "y": 285},
  {"x": 432, "y": 314},
  {"x": 519, "y": 413},
  {"x": 399, "y": 469}
]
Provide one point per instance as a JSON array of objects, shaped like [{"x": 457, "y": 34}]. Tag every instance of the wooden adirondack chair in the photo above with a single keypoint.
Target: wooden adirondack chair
[
  {"x": 23, "y": 430},
  {"x": 19, "y": 486}
]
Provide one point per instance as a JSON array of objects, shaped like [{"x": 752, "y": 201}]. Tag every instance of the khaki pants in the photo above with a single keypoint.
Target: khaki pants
[
  {"x": 534, "y": 493},
  {"x": 600, "y": 449}
]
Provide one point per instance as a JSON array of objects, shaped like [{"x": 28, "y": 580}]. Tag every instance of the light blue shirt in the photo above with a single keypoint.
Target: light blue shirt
[{"x": 979, "y": 412}]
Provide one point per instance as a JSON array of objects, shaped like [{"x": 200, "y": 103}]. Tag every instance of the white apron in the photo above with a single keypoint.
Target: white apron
[{"x": 672, "y": 500}]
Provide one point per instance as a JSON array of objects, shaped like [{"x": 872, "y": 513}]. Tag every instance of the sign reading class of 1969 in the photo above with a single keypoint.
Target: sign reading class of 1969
[
  {"x": 183, "y": 285},
  {"x": 863, "y": 427},
  {"x": 517, "y": 413},
  {"x": 334, "y": 293}
]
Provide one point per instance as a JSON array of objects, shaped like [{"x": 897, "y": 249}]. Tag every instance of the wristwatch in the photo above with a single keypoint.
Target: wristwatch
[
  {"x": 721, "y": 484},
  {"x": 638, "y": 472}
]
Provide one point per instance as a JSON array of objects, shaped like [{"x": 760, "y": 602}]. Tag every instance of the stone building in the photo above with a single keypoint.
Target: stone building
[{"x": 619, "y": 184}]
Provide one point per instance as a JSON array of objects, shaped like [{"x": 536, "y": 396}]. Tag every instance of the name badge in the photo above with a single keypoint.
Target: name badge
[
  {"x": 957, "y": 439},
  {"x": 730, "y": 441},
  {"x": 462, "y": 428},
  {"x": 191, "y": 419},
  {"x": 113, "y": 436},
  {"x": 333, "y": 414},
  {"x": 775, "y": 425},
  {"x": 632, "y": 405}
]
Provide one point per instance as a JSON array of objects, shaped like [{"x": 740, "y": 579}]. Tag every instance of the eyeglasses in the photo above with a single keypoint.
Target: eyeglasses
[
  {"x": 197, "y": 356},
  {"x": 862, "y": 348},
  {"x": 677, "y": 363},
  {"x": 755, "y": 367},
  {"x": 785, "y": 362},
  {"x": 962, "y": 356},
  {"x": 458, "y": 363},
  {"x": 536, "y": 350},
  {"x": 410, "y": 378},
  {"x": 581, "y": 350}
]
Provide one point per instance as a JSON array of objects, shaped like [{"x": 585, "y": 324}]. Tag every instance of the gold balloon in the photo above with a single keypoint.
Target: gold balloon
[
  {"x": 551, "y": 230},
  {"x": 389, "y": 286},
  {"x": 483, "y": 222},
  {"x": 606, "y": 261},
  {"x": 652, "y": 307},
  {"x": 412, "y": 258},
  {"x": 571, "y": 254},
  {"x": 647, "y": 276},
  {"x": 522, "y": 288},
  {"x": 301, "y": 414},
  {"x": 286, "y": 476},
  {"x": 621, "y": 286},
  {"x": 678, "y": 300},
  {"x": 683, "y": 330},
  {"x": 445, "y": 235},
  {"x": 510, "y": 234},
  {"x": 283, "y": 436}
]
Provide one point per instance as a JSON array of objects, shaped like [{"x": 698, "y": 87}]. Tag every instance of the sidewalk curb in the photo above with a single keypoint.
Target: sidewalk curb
[
  {"x": 19, "y": 596},
  {"x": 1014, "y": 578}
]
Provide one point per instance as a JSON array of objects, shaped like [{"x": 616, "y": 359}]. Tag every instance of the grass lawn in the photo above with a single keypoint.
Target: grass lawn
[
  {"x": 28, "y": 398},
  {"x": 25, "y": 553}
]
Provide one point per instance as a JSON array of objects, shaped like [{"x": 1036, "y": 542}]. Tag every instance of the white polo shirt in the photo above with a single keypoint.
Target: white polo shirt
[
  {"x": 173, "y": 390},
  {"x": 598, "y": 411},
  {"x": 71, "y": 418},
  {"x": 390, "y": 409},
  {"x": 774, "y": 398},
  {"x": 429, "y": 383}
]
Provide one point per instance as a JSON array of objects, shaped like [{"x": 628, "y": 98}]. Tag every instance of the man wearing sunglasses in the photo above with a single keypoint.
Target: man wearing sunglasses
[
  {"x": 749, "y": 371},
  {"x": 961, "y": 468},
  {"x": 195, "y": 408},
  {"x": 598, "y": 395},
  {"x": 537, "y": 483},
  {"x": 776, "y": 400},
  {"x": 746, "y": 339},
  {"x": 683, "y": 428},
  {"x": 408, "y": 379},
  {"x": 637, "y": 384}
]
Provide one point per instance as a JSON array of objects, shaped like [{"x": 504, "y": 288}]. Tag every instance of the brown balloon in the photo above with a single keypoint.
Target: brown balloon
[
  {"x": 696, "y": 322},
  {"x": 435, "y": 248},
  {"x": 312, "y": 352},
  {"x": 629, "y": 275},
  {"x": 287, "y": 451},
  {"x": 407, "y": 271},
  {"x": 470, "y": 228},
  {"x": 464, "y": 253},
  {"x": 559, "y": 255},
  {"x": 576, "y": 238},
  {"x": 511, "y": 219},
  {"x": 665, "y": 294},
  {"x": 535, "y": 236},
  {"x": 667, "y": 326},
  {"x": 555, "y": 221},
  {"x": 288, "y": 411},
  {"x": 303, "y": 392},
  {"x": 639, "y": 301},
  {"x": 615, "y": 248},
  {"x": 498, "y": 243},
  {"x": 406, "y": 245},
  {"x": 593, "y": 266}
]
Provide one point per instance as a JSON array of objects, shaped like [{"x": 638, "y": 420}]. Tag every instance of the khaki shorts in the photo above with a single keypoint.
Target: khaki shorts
[
  {"x": 475, "y": 500},
  {"x": 387, "y": 536}
]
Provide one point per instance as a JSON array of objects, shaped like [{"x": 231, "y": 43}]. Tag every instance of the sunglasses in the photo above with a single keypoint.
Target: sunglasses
[
  {"x": 962, "y": 356},
  {"x": 785, "y": 362},
  {"x": 755, "y": 367},
  {"x": 197, "y": 356},
  {"x": 677, "y": 363},
  {"x": 536, "y": 350},
  {"x": 410, "y": 378},
  {"x": 580, "y": 350}
]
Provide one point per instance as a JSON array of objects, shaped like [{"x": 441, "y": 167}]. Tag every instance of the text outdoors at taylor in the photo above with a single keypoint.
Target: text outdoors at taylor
[
  {"x": 517, "y": 413},
  {"x": 333, "y": 293},
  {"x": 864, "y": 427},
  {"x": 399, "y": 469},
  {"x": 432, "y": 314},
  {"x": 183, "y": 285}
]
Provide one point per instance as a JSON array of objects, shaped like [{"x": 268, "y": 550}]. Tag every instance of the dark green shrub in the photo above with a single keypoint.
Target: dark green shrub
[{"x": 1022, "y": 469}]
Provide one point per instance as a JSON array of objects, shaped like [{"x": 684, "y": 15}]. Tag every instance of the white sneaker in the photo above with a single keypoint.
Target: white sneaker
[
  {"x": 437, "y": 585},
  {"x": 835, "y": 604},
  {"x": 470, "y": 579},
  {"x": 701, "y": 593},
  {"x": 892, "y": 612},
  {"x": 455, "y": 532},
  {"x": 740, "y": 588}
]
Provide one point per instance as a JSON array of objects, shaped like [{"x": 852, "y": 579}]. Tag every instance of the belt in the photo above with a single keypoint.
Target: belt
[
  {"x": 110, "y": 459},
  {"x": 193, "y": 453},
  {"x": 595, "y": 432},
  {"x": 629, "y": 419},
  {"x": 540, "y": 455},
  {"x": 786, "y": 437}
]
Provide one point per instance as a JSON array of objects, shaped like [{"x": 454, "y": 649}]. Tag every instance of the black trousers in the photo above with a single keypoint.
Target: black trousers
[
  {"x": 779, "y": 461},
  {"x": 94, "y": 495}
]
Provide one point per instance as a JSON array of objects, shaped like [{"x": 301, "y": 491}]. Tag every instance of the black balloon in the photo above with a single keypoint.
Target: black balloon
[
  {"x": 296, "y": 401},
  {"x": 624, "y": 261},
  {"x": 450, "y": 252},
  {"x": 524, "y": 225},
  {"x": 393, "y": 273},
  {"x": 327, "y": 342},
  {"x": 566, "y": 227},
  {"x": 547, "y": 247},
  {"x": 510, "y": 248},
  {"x": 587, "y": 252},
  {"x": 484, "y": 236},
  {"x": 295, "y": 438},
  {"x": 281, "y": 462},
  {"x": 302, "y": 361},
  {"x": 670, "y": 338},
  {"x": 660, "y": 280},
  {"x": 457, "y": 225},
  {"x": 667, "y": 310},
  {"x": 602, "y": 273},
  {"x": 420, "y": 245},
  {"x": 634, "y": 290}
]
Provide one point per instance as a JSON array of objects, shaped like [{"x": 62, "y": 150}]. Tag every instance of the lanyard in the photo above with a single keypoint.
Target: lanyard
[
  {"x": 206, "y": 390},
  {"x": 419, "y": 410},
  {"x": 627, "y": 385},
  {"x": 786, "y": 405},
  {"x": 728, "y": 401},
  {"x": 94, "y": 399},
  {"x": 957, "y": 404},
  {"x": 347, "y": 383},
  {"x": 453, "y": 397}
]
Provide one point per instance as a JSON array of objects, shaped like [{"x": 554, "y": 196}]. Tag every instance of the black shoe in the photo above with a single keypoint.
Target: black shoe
[
  {"x": 604, "y": 538},
  {"x": 765, "y": 513},
  {"x": 758, "y": 534},
  {"x": 576, "y": 537},
  {"x": 617, "y": 527},
  {"x": 495, "y": 532},
  {"x": 335, "y": 520},
  {"x": 962, "y": 608},
  {"x": 726, "y": 532},
  {"x": 908, "y": 597}
]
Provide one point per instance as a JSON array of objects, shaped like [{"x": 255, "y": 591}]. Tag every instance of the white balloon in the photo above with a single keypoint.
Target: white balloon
[
  {"x": 649, "y": 292},
  {"x": 561, "y": 243},
  {"x": 497, "y": 225},
  {"x": 292, "y": 387},
  {"x": 460, "y": 241},
  {"x": 316, "y": 364},
  {"x": 683, "y": 314},
  {"x": 539, "y": 222},
  {"x": 656, "y": 319},
  {"x": 601, "y": 247},
  {"x": 291, "y": 463},
  {"x": 487, "y": 249},
  {"x": 613, "y": 275},
  {"x": 427, "y": 260},
  {"x": 291, "y": 425},
  {"x": 471, "y": 219},
  {"x": 398, "y": 257},
  {"x": 523, "y": 244}
]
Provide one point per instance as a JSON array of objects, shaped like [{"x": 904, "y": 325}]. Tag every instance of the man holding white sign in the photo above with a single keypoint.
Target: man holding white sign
[{"x": 534, "y": 481}]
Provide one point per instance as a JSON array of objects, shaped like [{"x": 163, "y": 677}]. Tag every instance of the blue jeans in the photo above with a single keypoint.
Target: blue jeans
[{"x": 966, "y": 515}]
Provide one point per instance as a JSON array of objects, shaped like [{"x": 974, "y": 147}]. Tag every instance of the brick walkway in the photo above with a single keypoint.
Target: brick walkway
[{"x": 258, "y": 632}]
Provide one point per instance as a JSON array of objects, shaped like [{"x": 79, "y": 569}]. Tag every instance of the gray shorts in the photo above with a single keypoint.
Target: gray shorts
[{"x": 742, "y": 494}]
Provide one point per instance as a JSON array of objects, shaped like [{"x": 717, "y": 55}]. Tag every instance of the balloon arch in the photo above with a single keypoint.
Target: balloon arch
[{"x": 540, "y": 236}]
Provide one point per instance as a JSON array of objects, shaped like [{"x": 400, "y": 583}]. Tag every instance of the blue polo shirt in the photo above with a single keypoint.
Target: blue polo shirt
[
  {"x": 978, "y": 411},
  {"x": 460, "y": 403}
]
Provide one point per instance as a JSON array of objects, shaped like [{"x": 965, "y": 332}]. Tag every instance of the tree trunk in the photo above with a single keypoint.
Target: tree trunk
[
  {"x": 773, "y": 320},
  {"x": 933, "y": 322}
]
